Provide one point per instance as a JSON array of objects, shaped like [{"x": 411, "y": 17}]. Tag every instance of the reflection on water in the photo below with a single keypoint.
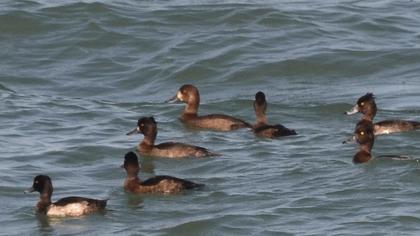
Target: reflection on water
[
  {"x": 48, "y": 224},
  {"x": 44, "y": 225},
  {"x": 135, "y": 201},
  {"x": 147, "y": 165}
]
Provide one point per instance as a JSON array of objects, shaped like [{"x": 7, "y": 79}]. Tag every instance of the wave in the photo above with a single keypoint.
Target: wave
[{"x": 4, "y": 88}]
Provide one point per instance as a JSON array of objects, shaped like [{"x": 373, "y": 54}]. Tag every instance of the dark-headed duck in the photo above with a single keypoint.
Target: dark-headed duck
[
  {"x": 262, "y": 128},
  {"x": 365, "y": 138},
  {"x": 367, "y": 106},
  {"x": 189, "y": 94},
  {"x": 69, "y": 206},
  {"x": 148, "y": 127},
  {"x": 158, "y": 184}
]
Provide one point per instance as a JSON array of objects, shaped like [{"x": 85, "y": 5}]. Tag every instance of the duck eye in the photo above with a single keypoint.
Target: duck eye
[
  {"x": 362, "y": 133},
  {"x": 362, "y": 104},
  {"x": 142, "y": 125}
]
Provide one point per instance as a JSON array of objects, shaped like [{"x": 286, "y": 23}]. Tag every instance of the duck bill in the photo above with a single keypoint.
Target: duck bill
[
  {"x": 354, "y": 110},
  {"x": 29, "y": 190},
  {"x": 134, "y": 131},
  {"x": 172, "y": 100},
  {"x": 350, "y": 140}
]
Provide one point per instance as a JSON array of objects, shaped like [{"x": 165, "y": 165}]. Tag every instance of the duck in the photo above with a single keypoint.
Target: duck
[
  {"x": 262, "y": 128},
  {"x": 68, "y": 206},
  {"x": 148, "y": 127},
  {"x": 189, "y": 94},
  {"x": 367, "y": 106},
  {"x": 161, "y": 184},
  {"x": 364, "y": 136}
]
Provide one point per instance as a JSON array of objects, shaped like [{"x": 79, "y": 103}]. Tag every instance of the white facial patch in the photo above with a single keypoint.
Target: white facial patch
[
  {"x": 354, "y": 110},
  {"x": 179, "y": 96}
]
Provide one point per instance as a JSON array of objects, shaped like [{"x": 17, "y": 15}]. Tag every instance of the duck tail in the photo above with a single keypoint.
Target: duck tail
[
  {"x": 248, "y": 125},
  {"x": 292, "y": 132},
  {"x": 283, "y": 131},
  {"x": 192, "y": 185},
  {"x": 101, "y": 204},
  {"x": 204, "y": 152},
  {"x": 213, "y": 154},
  {"x": 416, "y": 124}
]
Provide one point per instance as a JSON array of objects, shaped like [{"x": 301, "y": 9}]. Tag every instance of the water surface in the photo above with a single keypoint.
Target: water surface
[{"x": 76, "y": 75}]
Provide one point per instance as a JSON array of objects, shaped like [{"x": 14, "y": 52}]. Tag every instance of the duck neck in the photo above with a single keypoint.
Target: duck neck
[
  {"x": 261, "y": 119},
  {"x": 260, "y": 114},
  {"x": 367, "y": 147},
  {"x": 149, "y": 139},
  {"x": 44, "y": 202},
  {"x": 370, "y": 112},
  {"x": 192, "y": 105},
  {"x": 362, "y": 156},
  {"x": 132, "y": 177},
  {"x": 131, "y": 183}
]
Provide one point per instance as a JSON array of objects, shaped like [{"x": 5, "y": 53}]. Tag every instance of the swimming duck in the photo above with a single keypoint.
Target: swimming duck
[
  {"x": 189, "y": 94},
  {"x": 365, "y": 138},
  {"x": 367, "y": 106},
  {"x": 159, "y": 184},
  {"x": 69, "y": 206},
  {"x": 262, "y": 128},
  {"x": 148, "y": 127}
]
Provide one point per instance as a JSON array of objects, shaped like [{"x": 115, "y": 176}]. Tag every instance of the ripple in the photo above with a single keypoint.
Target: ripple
[
  {"x": 4, "y": 88},
  {"x": 76, "y": 76}
]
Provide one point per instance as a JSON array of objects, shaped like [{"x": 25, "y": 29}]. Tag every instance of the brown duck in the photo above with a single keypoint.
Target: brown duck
[
  {"x": 148, "y": 127},
  {"x": 189, "y": 94},
  {"x": 69, "y": 206},
  {"x": 159, "y": 184},
  {"x": 262, "y": 128},
  {"x": 367, "y": 106}
]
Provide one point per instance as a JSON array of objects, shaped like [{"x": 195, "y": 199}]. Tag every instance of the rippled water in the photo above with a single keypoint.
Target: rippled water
[{"x": 76, "y": 75}]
